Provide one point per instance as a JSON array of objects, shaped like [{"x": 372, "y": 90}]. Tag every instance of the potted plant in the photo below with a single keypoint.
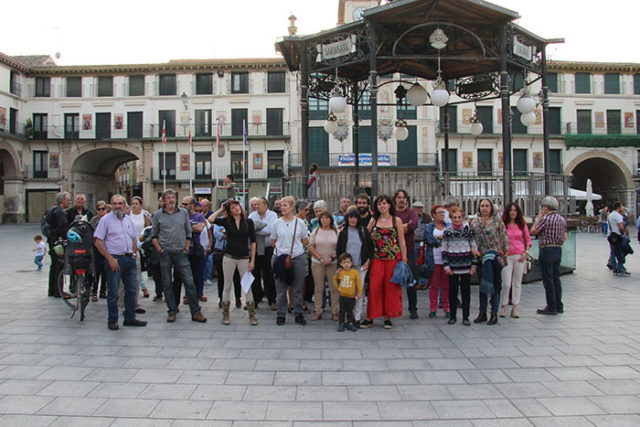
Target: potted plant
[{"x": 28, "y": 128}]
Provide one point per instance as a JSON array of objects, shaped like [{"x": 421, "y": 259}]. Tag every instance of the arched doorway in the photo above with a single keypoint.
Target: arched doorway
[
  {"x": 93, "y": 171},
  {"x": 11, "y": 185}
]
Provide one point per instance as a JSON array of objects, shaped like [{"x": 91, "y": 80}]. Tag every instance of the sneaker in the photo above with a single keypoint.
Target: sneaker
[
  {"x": 156, "y": 298},
  {"x": 388, "y": 324},
  {"x": 352, "y": 328},
  {"x": 134, "y": 322},
  {"x": 447, "y": 314},
  {"x": 208, "y": 282},
  {"x": 413, "y": 314},
  {"x": 432, "y": 314},
  {"x": 546, "y": 311},
  {"x": 366, "y": 324},
  {"x": 280, "y": 320},
  {"x": 300, "y": 319},
  {"x": 140, "y": 310},
  {"x": 199, "y": 317},
  {"x": 503, "y": 311},
  {"x": 113, "y": 325},
  {"x": 452, "y": 321},
  {"x": 340, "y": 327},
  {"x": 466, "y": 322}
]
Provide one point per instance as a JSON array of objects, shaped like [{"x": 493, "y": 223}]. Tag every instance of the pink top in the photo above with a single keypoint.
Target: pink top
[
  {"x": 326, "y": 242},
  {"x": 516, "y": 242}
]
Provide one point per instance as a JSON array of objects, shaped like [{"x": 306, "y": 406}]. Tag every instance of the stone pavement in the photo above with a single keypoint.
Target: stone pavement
[{"x": 580, "y": 368}]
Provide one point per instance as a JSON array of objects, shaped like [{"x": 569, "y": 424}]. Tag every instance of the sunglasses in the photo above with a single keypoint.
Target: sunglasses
[
  {"x": 184, "y": 204},
  {"x": 102, "y": 209}
]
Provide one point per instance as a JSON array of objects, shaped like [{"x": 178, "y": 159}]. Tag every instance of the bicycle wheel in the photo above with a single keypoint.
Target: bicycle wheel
[
  {"x": 83, "y": 293},
  {"x": 64, "y": 285}
]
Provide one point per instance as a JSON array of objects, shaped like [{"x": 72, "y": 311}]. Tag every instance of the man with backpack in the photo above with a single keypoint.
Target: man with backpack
[{"x": 54, "y": 226}]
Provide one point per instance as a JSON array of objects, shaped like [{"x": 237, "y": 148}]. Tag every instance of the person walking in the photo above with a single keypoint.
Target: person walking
[
  {"x": 171, "y": 231},
  {"x": 385, "y": 297},
  {"x": 39, "y": 251},
  {"x": 493, "y": 245},
  {"x": 239, "y": 253},
  {"x": 117, "y": 241},
  {"x": 617, "y": 238},
  {"x": 519, "y": 245},
  {"x": 551, "y": 229}
]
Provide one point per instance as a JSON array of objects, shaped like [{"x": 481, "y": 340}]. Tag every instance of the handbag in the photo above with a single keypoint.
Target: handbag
[
  {"x": 613, "y": 238},
  {"x": 529, "y": 259},
  {"x": 288, "y": 262}
]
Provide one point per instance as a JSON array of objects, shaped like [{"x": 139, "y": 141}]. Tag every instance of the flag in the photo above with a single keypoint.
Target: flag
[
  {"x": 244, "y": 132},
  {"x": 189, "y": 139},
  {"x": 164, "y": 133}
]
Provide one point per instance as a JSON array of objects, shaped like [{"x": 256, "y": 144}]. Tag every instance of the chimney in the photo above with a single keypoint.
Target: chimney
[{"x": 293, "y": 30}]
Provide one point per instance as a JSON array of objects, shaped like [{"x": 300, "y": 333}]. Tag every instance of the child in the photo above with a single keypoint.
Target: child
[
  {"x": 39, "y": 251},
  {"x": 347, "y": 281},
  {"x": 459, "y": 251}
]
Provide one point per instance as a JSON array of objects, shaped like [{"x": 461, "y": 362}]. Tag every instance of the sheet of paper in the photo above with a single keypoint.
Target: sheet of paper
[{"x": 246, "y": 281}]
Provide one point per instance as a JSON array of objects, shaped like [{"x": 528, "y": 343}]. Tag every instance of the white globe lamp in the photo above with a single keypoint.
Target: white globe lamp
[
  {"x": 528, "y": 119},
  {"x": 440, "y": 97},
  {"x": 526, "y": 104},
  {"x": 417, "y": 95},
  {"x": 402, "y": 133},
  {"x": 476, "y": 128}
]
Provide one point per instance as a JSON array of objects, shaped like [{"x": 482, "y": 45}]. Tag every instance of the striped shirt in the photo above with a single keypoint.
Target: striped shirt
[{"x": 551, "y": 230}]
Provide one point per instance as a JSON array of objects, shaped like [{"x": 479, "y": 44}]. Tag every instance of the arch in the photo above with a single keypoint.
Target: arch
[
  {"x": 602, "y": 155},
  {"x": 12, "y": 167},
  {"x": 104, "y": 159}
]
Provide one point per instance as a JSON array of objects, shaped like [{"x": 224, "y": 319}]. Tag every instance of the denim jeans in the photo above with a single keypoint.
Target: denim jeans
[
  {"x": 181, "y": 266},
  {"x": 38, "y": 261},
  {"x": 412, "y": 292},
  {"x": 128, "y": 275},
  {"x": 549, "y": 260},
  {"x": 616, "y": 257},
  {"x": 495, "y": 297}
]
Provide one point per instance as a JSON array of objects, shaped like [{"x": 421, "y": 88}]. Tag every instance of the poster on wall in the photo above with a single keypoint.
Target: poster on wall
[
  {"x": 500, "y": 160},
  {"x": 499, "y": 116},
  {"x": 537, "y": 160},
  {"x": 466, "y": 116},
  {"x": 538, "y": 117},
  {"x": 54, "y": 161},
  {"x": 3, "y": 117},
  {"x": 599, "y": 117},
  {"x": 467, "y": 159},
  {"x": 628, "y": 120},
  {"x": 86, "y": 121},
  {"x": 257, "y": 160},
  {"x": 118, "y": 122},
  {"x": 184, "y": 162}
]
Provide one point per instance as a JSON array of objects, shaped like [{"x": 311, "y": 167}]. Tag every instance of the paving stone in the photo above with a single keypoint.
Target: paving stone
[{"x": 570, "y": 406}]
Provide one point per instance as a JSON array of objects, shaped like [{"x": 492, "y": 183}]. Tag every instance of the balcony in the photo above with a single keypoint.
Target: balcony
[
  {"x": 347, "y": 160},
  {"x": 46, "y": 175}
]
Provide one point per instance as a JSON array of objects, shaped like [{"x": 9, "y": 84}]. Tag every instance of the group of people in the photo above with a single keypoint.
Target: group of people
[{"x": 301, "y": 258}]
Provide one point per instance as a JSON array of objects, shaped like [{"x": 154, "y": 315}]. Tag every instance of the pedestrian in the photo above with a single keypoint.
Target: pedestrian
[
  {"x": 439, "y": 282},
  {"x": 493, "y": 245},
  {"x": 322, "y": 247},
  {"x": 141, "y": 219},
  {"x": 230, "y": 186},
  {"x": 617, "y": 239},
  {"x": 57, "y": 221},
  {"x": 264, "y": 284},
  {"x": 418, "y": 236},
  {"x": 79, "y": 208},
  {"x": 551, "y": 229},
  {"x": 39, "y": 251},
  {"x": 195, "y": 254},
  {"x": 117, "y": 241},
  {"x": 348, "y": 284},
  {"x": 385, "y": 297},
  {"x": 312, "y": 183},
  {"x": 459, "y": 251},
  {"x": 519, "y": 245},
  {"x": 363, "y": 202},
  {"x": 340, "y": 215},
  {"x": 206, "y": 241},
  {"x": 100, "y": 280},
  {"x": 604, "y": 225},
  {"x": 289, "y": 236},
  {"x": 171, "y": 236},
  {"x": 409, "y": 220},
  {"x": 239, "y": 253}
]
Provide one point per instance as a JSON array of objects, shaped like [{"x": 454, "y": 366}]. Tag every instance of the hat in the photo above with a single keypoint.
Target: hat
[{"x": 418, "y": 205}]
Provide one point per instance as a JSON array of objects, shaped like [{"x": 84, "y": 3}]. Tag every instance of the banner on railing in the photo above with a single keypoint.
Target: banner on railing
[{"x": 365, "y": 159}]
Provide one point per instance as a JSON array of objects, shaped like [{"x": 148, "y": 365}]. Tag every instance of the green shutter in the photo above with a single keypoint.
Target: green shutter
[
  {"x": 555, "y": 165},
  {"x": 485, "y": 161},
  {"x": 554, "y": 117},
  {"x": 519, "y": 161},
  {"x": 318, "y": 146},
  {"x": 584, "y": 121},
  {"x": 636, "y": 84},
  {"x": 552, "y": 82},
  {"x": 408, "y": 149},
  {"x": 583, "y": 83},
  {"x": 364, "y": 140},
  {"x": 453, "y": 160},
  {"x": 517, "y": 128},
  {"x": 612, "y": 83}
]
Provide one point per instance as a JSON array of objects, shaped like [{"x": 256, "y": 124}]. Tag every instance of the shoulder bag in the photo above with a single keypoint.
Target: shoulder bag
[{"x": 288, "y": 262}]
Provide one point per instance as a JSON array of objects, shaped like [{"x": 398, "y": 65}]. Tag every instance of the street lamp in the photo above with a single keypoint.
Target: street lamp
[
  {"x": 476, "y": 125},
  {"x": 337, "y": 102},
  {"x": 402, "y": 132},
  {"x": 331, "y": 125}
]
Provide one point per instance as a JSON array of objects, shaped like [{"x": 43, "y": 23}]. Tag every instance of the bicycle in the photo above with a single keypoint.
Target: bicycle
[{"x": 76, "y": 280}]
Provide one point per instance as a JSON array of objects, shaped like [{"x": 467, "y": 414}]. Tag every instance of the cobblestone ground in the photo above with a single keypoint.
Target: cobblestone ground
[{"x": 579, "y": 368}]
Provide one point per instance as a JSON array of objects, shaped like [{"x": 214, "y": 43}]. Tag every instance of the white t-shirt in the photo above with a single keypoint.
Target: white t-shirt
[
  {"x": 39, "y": 249},
  {"x": 138, "y": 221},
  {"x": 282, "y": 233},
  {"x": 437, "y": 252},
  {"x": 204, "y": 235},
  {"x": 614, "y": 222}
]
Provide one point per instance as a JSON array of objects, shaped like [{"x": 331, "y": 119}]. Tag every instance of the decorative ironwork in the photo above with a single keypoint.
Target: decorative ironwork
[
  {"x": 478, "y": 87},
  {"x": 343, "y": 130},
  {"x": 385, "y": 129}
]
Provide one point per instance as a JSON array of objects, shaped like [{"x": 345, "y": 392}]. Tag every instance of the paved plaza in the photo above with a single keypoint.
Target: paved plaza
[{"x": 578, "y": 368}]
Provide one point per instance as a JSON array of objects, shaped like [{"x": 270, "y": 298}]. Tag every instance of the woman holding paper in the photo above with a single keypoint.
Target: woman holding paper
[{"x": 239, "y": 252}]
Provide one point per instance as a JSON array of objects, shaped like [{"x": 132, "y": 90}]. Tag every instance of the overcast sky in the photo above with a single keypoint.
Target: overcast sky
[{"x": 137, "y": 31}]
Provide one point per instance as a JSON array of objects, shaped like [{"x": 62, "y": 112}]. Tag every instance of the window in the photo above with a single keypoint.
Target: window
[
  {"x": 584, "y": 121},
  {"x": 364, "y": 139},
  {"x": 552, "y": 82},
  {"x": 167, "y": 85},
  {"x": 276, "y": 82},
  {"x": 452, "y": 110},
  {"x": 555, "y": 124},
  {"x": 555, "y": 161},
  {"x": 134, "y": 124},
  {"x": 40, "y": 126},
  {"x": 636, "y": 84},
  {"x": 408, "y": 149},
  {"x": 274, "y": 121},
  {"x": 364, "y": 106},
  {"x": 407, "y": 111},
  {"x": 74, "y": 87},
  {"x": 13, "y": 121},
  {"x": 318, "y": 109},
  {"x": 204, "y": 84},
  {"x": 72, "y": 126},
  {"x": 485, "y": 163},
  {"x": 583, "y": 83},
  {"x": 40, "y": 164},
  {"x": 203, "y": 165},
  {"x": 638, "y": 122},
  {"x": 520, "y": 161},
  {"x": 318, "y": 146},
  {"x": 105, "y": 86},
  {"x": 167, "y": 118},
  {"x": 517, "y": 128},
  {"x": 43, "y": 87},
  {"x": 203, "y": 122},
  {"x": 238, "y": 116},
  {"x": 238, "y": 165},
  {"x": 168, "y": 159},
  {"x": 14, "y": 83},
  {"x": 453, "y": 161},
  {"x": 103, "y": 125},
  {"x": 136, "y": 85},
  {"x": 239, "y": 82},
  {"x": 613, "y": 122},
  {"x": 612, "y": 83},
  {"x": 485, "y": 114},
  {"x": 275, "y": 163}
]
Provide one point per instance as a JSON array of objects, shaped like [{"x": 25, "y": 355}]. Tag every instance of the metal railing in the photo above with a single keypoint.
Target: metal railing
[
  {"x": 51, "y": 174},
  {"x": 347, "y": 160}
]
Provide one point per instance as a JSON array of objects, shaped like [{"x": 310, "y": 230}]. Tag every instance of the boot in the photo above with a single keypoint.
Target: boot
[
  {"x": 251, "y": 308},
  {"x": 225, "y": 312}
]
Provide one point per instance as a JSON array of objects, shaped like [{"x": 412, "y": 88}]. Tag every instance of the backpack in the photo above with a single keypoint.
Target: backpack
[{"x": 45, "y": 223}]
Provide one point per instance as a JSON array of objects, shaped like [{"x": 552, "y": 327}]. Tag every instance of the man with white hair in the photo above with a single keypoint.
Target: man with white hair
[{"x": 551, "y": 229}]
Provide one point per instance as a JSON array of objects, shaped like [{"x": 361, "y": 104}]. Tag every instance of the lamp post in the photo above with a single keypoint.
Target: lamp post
[{"x": 185, "y": 101}]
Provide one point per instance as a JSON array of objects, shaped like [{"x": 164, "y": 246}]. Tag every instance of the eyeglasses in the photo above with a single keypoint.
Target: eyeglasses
[
  {"x": 102, "y": 208},
  {"x": 184, "y": 204},
  {"x": 440, "y": 212}
]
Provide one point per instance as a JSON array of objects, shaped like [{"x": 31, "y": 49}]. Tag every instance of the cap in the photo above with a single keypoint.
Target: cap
[{"x": 418, "y": 205}]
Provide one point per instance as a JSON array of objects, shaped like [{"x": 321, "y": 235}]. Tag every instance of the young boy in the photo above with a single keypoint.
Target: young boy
[
  {"x": 347, "y": 281},
  {"x": 39, "y": 251}
]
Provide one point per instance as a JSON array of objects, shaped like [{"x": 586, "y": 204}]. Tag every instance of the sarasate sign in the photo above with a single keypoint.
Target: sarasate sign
[{"x": 338, "y": 48}]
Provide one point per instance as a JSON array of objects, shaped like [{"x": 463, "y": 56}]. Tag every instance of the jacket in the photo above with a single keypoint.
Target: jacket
[
  {"x": 402, "y": 275},
  {"x": 366, "y": 251},
  {"x": 490, "y": 274},
  {"x": 430, "y": 242}
]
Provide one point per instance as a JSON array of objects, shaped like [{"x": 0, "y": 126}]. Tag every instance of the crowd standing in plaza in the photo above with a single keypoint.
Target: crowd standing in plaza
[{"x": 298, "y": 257}]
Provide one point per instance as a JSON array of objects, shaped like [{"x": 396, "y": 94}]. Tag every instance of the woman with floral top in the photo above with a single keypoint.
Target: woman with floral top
[
  {"x": 493, "y": 245},
  {"x": 385, "y": 297}
]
